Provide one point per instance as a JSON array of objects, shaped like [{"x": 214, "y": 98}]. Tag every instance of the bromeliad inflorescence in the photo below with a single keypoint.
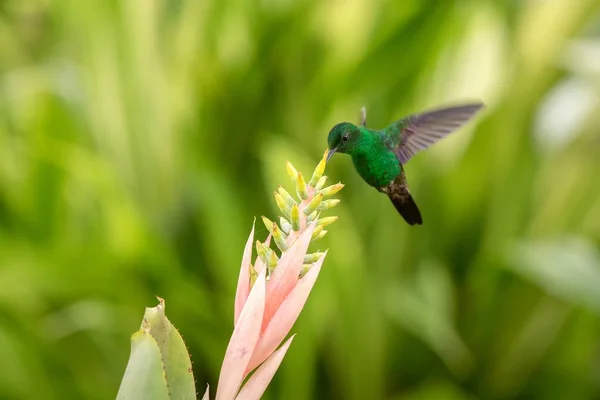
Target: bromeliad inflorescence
[
  {"x": 271, "y": 293},
  {"x": 298, "y": 215}
]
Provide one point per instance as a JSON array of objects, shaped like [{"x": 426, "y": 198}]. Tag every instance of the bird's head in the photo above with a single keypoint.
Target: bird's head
[{"x": 343, "y": 138}]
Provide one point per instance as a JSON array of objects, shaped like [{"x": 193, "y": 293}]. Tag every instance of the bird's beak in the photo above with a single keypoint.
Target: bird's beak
[{"x": 331, "y": 153}]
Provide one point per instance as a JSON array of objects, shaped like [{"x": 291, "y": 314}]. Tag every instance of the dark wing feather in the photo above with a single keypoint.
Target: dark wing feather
[{"x": 419, "y": 131}]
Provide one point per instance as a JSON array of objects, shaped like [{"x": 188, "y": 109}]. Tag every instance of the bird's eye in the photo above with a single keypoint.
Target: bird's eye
[{"x": 344, "y": 138}]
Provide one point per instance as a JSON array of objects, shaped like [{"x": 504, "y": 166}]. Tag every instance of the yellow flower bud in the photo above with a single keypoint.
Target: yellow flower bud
[
  {"x": 301, "y": 187},
  {"x": 291, "y": 171},
  {"x": 268, "y": 224},
  {"x": 331, "y": 190},
  {"x": 326, "y": 221},
  {"x": 318, "y": 171},
  {"x": 313, "y": 204},
  {"x": 316, "y": 232},
  {"x": 320, "y": 235},
  {"x": 295, "y": 217},
  {"x": 321, "y": 183},
  {"x": 283, "y": 207}
]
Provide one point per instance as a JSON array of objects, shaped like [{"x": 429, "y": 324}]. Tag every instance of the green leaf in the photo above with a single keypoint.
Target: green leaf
[
  {"x": 144, "y": 377},
  {"x": 159, "y": 365}
]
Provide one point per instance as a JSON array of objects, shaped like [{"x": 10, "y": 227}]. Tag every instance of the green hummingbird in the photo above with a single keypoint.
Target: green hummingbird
[{"x": 379, "y": 156}]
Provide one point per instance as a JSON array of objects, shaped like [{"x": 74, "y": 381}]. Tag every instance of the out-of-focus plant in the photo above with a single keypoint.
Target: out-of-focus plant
[{"x": 269, "y": 298}]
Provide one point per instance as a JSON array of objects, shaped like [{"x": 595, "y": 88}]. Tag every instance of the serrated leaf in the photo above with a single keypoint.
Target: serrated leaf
[
  {"x": 144, "y": 377},
  {"x": 159, "y": 366}
]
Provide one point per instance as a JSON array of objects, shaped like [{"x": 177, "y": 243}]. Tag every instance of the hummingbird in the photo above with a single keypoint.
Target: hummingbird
[{"x": 379, "y": 156}]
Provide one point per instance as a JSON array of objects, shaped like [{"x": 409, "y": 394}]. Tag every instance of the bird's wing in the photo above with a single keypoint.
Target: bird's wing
[{"x": 419, "y": 131}]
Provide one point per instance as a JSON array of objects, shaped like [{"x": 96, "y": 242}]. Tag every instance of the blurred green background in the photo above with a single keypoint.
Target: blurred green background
[{"x": 139, "y": 138}]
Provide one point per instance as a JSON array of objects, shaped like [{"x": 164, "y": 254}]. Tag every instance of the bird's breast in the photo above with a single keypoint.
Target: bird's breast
[{"x": 377, "y": 170}]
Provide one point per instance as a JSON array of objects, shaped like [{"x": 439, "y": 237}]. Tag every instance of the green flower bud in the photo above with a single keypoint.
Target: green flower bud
[
  {"x": 287, "y": 197},
  {"x": 327, "y": 204},
  {"x": 304, "y": 269},
  {"x": 313, "y": 204},
  {"x": 314, "y": 215},
  {"x": 261, "y": 251},
  {"x": 286, "y": 227},
  {"x": 313, "y": 257},
  {"x": 273, "y": 260},
  {"x": 253, "y": 275},
  {"x": 279, "y": 237}
]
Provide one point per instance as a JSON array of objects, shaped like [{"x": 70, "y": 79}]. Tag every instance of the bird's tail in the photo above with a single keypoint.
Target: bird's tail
[{"x": 407, "y": 207}]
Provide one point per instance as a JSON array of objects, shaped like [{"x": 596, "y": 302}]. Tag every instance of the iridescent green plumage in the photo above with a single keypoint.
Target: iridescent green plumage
[{"x": 378, "y": 155}]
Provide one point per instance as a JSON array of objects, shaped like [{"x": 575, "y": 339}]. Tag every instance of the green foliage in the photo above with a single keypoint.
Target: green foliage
[
  {"x": 139, "y": 138},
  {"x": 159, "y": 366}
]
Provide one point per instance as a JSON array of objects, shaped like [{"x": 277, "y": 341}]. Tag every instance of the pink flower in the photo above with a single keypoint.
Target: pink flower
[{"x": 271, "y": 294}]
